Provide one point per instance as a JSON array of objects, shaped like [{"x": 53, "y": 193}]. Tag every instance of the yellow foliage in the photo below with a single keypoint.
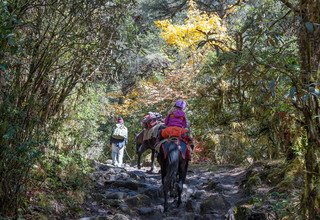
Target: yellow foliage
[
  {"x": 214, "y": 139},
  {"x": 224, "y": 85},
  {"x": 235, "y": 125},
  {"x": 149, "y": 93},
  {"x": 196, "y": 28},
  {"x": 240, "y": 137}
]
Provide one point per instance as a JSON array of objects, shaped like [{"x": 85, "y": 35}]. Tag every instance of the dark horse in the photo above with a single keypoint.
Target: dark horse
[
  {"x": 142, "y": 146},
  {"x": 173, "y": 169}
]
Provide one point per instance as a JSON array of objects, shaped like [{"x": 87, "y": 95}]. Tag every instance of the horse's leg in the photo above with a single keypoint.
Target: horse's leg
[
  {"x": 153, "y": 151},
  {"x": 180, "y": 182},
  {"x": 180, "y": 187},
  {"x": 165, "y": 189},
  {"x": 162, "y": 164},
  {"x": 139, "y": 157},
  {"x": 183, "y": 168},
  {"x": 139, "y": 152},
  {"x": 163, "y": 173},
  {"x": 165, "y": 195}
]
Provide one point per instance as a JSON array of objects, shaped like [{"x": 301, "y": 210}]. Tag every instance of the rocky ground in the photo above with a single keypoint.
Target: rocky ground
[{"x": 128, "y": 193}]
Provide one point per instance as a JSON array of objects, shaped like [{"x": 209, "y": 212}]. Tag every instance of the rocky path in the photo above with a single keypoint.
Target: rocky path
[{"x": 128, "y": 193}]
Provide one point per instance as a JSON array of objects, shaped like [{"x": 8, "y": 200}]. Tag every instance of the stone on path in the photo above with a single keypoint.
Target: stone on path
[{"x": 213, "y": 204}]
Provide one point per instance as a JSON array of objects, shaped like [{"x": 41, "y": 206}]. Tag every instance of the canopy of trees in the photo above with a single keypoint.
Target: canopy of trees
[{"x": 248, "y": 69}]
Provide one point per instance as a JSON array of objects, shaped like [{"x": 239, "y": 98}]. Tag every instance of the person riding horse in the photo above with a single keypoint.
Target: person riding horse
[
  {"x": 174, "y": 151},
  {"x": 177, "y": 124}
]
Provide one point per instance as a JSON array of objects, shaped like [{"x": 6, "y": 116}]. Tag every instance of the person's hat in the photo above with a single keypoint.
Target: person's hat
[{"x": 120, "y": 120}]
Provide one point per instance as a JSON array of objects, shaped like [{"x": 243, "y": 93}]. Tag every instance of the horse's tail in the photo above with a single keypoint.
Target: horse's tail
[{"x": 172, "y": 167}]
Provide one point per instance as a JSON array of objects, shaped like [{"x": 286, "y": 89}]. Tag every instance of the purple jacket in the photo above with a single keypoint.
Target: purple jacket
[{"x": 176, "y": 118}]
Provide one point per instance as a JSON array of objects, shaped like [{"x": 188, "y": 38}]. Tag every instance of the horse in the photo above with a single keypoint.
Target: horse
[
  {"x": 142, "y": 146},
  {"x": 174, "y": 167}
]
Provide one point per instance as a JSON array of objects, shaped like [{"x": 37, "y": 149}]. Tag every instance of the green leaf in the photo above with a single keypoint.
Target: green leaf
[
  {"x": 9, "y": 36},
  {"x": 292, "y": 92},
  {"x": 309, "y": 26},
  {"x": 9, "y": 134},
  {"x": 3, "y": 67},
  {"x": 11, "y": 42}
]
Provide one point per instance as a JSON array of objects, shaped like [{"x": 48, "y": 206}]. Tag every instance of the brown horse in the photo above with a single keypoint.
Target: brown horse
[{"x": 142, "y": 146}]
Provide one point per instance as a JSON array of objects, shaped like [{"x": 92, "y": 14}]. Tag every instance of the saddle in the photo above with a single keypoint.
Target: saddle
[
  {"x": 183, "y": 147},
  {"x": 152, "y": 132}
]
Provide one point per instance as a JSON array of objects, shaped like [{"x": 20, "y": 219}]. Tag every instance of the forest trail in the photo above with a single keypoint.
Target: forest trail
[{"x": 128, "y": 193}]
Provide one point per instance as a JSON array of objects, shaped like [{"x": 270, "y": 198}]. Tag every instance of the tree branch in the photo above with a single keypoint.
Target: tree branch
[{"x": 290, "y": 5}]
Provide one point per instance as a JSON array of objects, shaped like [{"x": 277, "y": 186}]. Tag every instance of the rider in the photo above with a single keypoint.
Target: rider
[
  {"x": 177, "y": 123},
  {"x": 176, "y": 116}
]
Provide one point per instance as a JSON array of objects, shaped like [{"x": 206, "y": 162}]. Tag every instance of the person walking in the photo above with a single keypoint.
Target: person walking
[{"x": 118, "y": 142}]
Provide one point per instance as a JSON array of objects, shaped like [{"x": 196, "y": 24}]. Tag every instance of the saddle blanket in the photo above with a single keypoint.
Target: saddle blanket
[
  {"x": 151, "y": 132},
  {"x": 183, "y": 148}
]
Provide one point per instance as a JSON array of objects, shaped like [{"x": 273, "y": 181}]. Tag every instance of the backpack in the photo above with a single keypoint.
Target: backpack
[
  {"x": 120, "y": 132},
  {"x": 151, "y": 119}
]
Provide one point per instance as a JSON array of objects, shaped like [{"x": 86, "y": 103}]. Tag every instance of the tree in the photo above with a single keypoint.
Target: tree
[
  {"x": 307, "y": 97},
  {"x": 49, "y": 49}
]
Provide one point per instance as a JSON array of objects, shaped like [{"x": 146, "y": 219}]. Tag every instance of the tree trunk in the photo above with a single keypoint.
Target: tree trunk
[{"x": 309, "y": 47}]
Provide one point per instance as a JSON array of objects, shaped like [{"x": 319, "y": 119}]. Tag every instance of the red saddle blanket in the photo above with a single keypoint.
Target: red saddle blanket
[
  {"x": 173, "y": 132},
  {"x": 181, "y": 145}
]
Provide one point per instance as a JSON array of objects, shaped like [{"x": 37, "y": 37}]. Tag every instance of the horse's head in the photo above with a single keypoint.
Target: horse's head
[{"x": 139, "y": 140}]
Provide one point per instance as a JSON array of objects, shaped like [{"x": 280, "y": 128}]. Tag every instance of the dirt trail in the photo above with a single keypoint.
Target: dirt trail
[{"x": 128, "y": 193}]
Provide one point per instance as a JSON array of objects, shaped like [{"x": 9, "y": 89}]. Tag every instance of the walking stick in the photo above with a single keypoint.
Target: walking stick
[{"x": 127, "y": 154}]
